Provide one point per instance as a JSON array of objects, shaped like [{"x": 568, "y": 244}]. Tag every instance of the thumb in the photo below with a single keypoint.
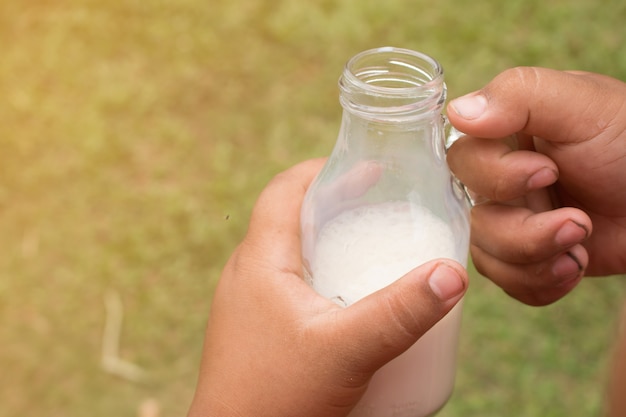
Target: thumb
[
  {"x": 560, "y": 106},
  {"x": 386, "y": 323}
]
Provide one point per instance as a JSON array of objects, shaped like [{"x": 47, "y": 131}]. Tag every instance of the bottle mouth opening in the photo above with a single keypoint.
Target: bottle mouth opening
[{"x": 392, "y": 80}]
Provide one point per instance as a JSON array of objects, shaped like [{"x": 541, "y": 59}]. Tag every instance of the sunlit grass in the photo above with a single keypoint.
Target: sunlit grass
[{"x": 136, "y": 135}]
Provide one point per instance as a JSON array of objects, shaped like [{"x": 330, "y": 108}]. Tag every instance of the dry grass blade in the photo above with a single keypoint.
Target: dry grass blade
[{"x": 111, "y": 361}]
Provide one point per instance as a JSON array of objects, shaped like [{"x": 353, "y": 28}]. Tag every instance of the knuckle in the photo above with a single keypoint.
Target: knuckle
[
  {"x": 502, "y": 190},
  {"x": 408, "y": 322},
  {"x": 521, "y": 75},
  {"x": 530, "y": 250}
]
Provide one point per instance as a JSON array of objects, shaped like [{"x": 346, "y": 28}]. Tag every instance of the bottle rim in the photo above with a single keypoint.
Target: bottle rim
[{"x": 392, "y": 81}]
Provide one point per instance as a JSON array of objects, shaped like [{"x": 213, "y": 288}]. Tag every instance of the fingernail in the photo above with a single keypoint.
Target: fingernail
[
  {"x": 446, "y": 282},
  {"x": 542, "y": 178},
  {"x": 470, "y": 106},
  {"x": 570, "y": 233},
  {"x": 567, "y": 266}
]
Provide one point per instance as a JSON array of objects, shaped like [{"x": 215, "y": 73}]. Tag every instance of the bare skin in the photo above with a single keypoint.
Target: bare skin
[
  {"x": 553, "y": 206},
  {"x": 553, "y": 209},
  {"x": 616, "y": 398},
  {"x": 275, "y": 348}
]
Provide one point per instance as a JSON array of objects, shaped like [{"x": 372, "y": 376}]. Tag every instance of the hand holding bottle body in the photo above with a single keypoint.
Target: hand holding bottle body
[{"x": 274, "y": 347}]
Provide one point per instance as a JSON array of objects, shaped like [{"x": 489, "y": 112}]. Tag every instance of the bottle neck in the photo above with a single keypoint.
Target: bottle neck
[{"x": 392, "y": 85}]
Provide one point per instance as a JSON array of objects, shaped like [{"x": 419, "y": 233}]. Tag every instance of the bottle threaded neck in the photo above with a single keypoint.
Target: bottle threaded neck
[{"x": 392, "y": 84}]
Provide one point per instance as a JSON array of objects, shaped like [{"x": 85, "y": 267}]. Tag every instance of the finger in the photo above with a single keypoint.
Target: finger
[
  {"x": 274, "y": 229},
  {"x": 519, "y": 235},
  {"x": 535, "y": 284},
  {"x": 389, "y": 321},
  {"x": 354, "y": 183},
  {"x": 341, "y": 193},
  {"x": 494, "y": 170},
  {"x": 530, "y": 100}
]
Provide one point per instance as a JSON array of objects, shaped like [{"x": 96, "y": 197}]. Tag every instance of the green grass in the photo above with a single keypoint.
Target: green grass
[{"x": 135, "y": 136}]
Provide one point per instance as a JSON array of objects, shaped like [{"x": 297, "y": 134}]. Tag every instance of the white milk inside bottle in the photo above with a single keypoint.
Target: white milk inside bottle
[{"x": 367, "y": 248}]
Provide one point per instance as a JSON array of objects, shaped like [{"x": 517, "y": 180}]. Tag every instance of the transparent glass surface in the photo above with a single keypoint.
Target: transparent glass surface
[{"x": 384, "y": 203}]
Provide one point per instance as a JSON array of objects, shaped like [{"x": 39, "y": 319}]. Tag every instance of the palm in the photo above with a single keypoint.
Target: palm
[
  {"x": 606, "y": 246},
  {"x": 592, "y": 179}
]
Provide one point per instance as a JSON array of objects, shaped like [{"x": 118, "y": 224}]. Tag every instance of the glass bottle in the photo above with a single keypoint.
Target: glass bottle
[{"x": 384, "y": 203}]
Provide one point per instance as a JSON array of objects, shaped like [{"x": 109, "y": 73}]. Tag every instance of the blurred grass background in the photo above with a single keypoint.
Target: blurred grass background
[{"x": 135, "y": 136}]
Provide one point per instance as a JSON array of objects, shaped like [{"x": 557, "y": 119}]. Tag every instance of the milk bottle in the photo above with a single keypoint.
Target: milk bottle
[{"x": 384, "y": 203}]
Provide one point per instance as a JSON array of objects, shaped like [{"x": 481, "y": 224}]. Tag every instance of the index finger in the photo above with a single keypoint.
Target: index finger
[{"x": 274, "y": 233}]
